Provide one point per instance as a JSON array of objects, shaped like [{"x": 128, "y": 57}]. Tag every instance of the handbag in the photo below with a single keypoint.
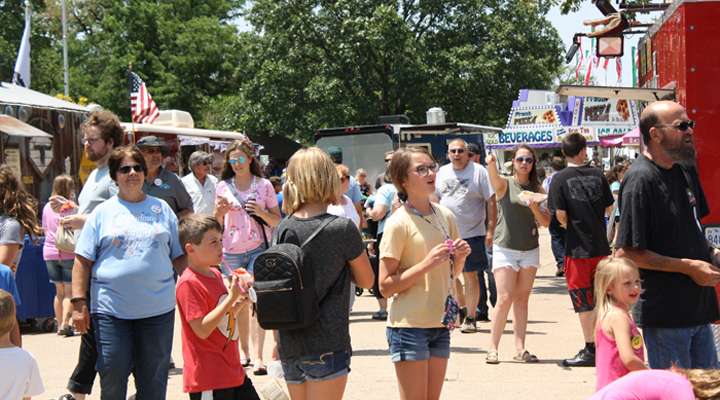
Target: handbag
[{"x": 65, "y": 239}]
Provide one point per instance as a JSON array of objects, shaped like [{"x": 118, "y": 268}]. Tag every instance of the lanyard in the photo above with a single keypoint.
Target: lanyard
[{"x": 440, "y": 227}]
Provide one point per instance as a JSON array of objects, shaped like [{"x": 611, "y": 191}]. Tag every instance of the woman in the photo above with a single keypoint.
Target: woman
[
  {"x": 246, "y": 205},
  {"x": 316, "y": 360},
  {"x": 344, "y": 207},
  {"x": 129, "y": 246},
  {"x": 420, "y": 255},
  {"x": 615, "y": 178},
  {"x": 18, "y": 216},
  {"x": 59, "y": 263},
  {"x": 516, "y": 255},
  {"x": 361, "y": 177}
]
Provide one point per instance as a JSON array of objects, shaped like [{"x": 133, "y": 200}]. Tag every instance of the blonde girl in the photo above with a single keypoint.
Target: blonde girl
[
  {"x": 316, "y": 360},
  {"x": 420, "y": 254},
  {"x": 619, "y": 345}
]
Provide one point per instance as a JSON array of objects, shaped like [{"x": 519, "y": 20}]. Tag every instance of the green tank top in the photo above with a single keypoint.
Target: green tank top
[{"x": 516, "y": 228}]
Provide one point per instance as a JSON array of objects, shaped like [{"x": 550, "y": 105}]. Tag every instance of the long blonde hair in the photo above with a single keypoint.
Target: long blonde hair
[
  {"x": 608, "y": 270},
  {"x": 311, "y": 176},
  {"x": 705, "y": 382},
  {"x": 17, "y": 203}
]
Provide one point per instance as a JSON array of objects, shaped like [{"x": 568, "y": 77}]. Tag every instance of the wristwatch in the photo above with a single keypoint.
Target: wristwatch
[{"x": 78, "y": 299}]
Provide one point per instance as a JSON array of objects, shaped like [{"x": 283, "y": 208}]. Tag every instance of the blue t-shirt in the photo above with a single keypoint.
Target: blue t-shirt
[
  {"x": 132, "y": 246},
  {"x": 385, "y": 196},
  {"x": 280, "y": 200},
  {"x": 353, "y": 191},
  {"x": 7, "y": 283}
]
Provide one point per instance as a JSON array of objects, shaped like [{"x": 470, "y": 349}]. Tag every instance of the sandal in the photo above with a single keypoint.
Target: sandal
[
  {"x": 492, "y": 357},
  {"x": 526, "y": 357},
  {"x": 260, "y": 371},
  {"x": 245, "y": 362}
]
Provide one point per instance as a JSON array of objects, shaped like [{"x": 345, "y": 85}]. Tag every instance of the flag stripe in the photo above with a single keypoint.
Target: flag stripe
[{"x": 142, "y": 107}]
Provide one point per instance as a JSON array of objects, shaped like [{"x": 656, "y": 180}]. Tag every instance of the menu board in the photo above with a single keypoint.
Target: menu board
[{"x": 12, "y": 160}]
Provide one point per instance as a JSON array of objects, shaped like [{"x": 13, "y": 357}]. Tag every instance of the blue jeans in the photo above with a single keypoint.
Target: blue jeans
[
  {"x": 321, "y": 367},
  {"x": 483, "y": 309},
  {"x": 557, "y": 243},
  {"x": 242, "y": 260},
  {"x": 418, "y": 344},
  {"x": 141, "y": 346},
  {"x": 691, "y": 347}
]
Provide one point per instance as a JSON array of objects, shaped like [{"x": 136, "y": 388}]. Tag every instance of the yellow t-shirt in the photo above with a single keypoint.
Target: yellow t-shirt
[{"x": 408, "y": 238}]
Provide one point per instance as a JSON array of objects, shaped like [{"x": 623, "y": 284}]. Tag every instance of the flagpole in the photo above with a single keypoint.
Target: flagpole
[{"x": 65, "y": 50}]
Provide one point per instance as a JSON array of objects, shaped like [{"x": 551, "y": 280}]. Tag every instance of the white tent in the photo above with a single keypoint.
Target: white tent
[{"x": 20, "y": 96}]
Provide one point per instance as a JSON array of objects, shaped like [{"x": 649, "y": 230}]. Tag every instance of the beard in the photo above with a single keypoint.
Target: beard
[
  {"x": 95, "y": 156},
  {"x": 685, "y": 153}
]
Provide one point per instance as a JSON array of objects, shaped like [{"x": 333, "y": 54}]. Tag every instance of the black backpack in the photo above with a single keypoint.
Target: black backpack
[{"x": 285, "y": 286}]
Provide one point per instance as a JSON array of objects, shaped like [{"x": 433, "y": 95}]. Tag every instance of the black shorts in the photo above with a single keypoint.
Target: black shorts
[
  {"x": 375, "y": 264},
  {"x": 246, "y": 391}
]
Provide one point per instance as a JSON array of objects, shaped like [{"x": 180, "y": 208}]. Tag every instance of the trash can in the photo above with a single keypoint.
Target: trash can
[{"x": 33, "y": 283}]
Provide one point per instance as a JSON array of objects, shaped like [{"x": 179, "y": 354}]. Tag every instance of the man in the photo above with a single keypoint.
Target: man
[
  {"x": 580, "y": 196},
  {"x": 353, "y": 191},
  {"x": 199, "y": 184},
  {"x": 101, "y": 133},
  {"x": 557, "y": 232},
  {"x": 464, "y": 187},
  {"x": 661, "y": 204},
  {"x": 160, "y": 182}
]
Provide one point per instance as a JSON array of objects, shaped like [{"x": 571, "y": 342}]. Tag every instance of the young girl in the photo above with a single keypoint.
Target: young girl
[
  {"x": 619, "y": 346},
  {"x": 316, "y": 360},
  {"x": 18, "y": 216},
  {"x": 420, "y": 254}
]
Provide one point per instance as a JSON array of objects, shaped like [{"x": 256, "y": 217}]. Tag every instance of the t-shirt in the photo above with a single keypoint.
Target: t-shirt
[
  {"x": 20, "y": 374},
  {"x": 649, "y": 384},
  {"x": 584, "y": 194},
  {"x": 50, "y": 222},
  {"x": 242, "y": 233},
  {"x": 408, "y": 238},
  {"x": 328, "y": 255},
  {"x": 214, "y": 362},
  {"x": 167, "y": 186},
  {"x": 7, "y": 283},
  {"x": 346, "y": 210},
  {"x": 11, "y": 232},
  {"x": 202, "y": 195},
  {"x": 132, "y": 246},
  {"x": 384, "y": 195},
  {"x": 656, "y": 214},
  {"x": 353, "y": 191},
  {"x": 465, "y": 192},
  {"x": 98, "y": 187}
]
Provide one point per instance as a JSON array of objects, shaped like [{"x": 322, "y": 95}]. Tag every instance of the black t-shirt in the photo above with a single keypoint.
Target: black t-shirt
[
  {"x": 657, "y": 214},
  {"x": 328, "y": 254},
  {"x": 584, "y": 194}
]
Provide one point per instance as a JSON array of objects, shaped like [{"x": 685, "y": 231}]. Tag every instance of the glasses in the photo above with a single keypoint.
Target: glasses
[
  {"x": 456, "y": 151},
  {"x": 424, "y": 170},
  {"x": 526, "y": 160},
  {"x": 90, "y": 141},
  {"x": 150, "y": 150},
  {"x": 239, "y": 160},
  {"x": 125, "y": 169},
  {"x": 682, "y": 126}
]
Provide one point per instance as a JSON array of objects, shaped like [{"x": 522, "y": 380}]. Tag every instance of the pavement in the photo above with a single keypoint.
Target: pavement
[{"x": 553, "y": 334}]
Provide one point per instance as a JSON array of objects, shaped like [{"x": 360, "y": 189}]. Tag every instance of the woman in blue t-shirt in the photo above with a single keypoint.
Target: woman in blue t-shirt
[{"x": 129, "y": 246}]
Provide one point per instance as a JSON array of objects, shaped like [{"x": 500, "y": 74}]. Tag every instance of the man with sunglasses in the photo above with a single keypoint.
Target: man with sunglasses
[
  {"x": 580, "y": 197},
  {"x": 160, "y": 182},
  {"x": 200, "y": 184},
  {"x": 464, "y": 187},
  {"x": 661, "y": 204}
]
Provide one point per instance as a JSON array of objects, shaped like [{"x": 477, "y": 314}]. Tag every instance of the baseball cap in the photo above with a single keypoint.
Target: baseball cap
[{"x": 150, "y": 141}]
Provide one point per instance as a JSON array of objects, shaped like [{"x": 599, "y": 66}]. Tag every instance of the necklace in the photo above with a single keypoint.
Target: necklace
[{"x": 440, "y": 227}]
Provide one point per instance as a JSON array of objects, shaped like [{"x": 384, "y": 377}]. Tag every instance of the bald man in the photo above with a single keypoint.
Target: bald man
[{"x": 661, "y": 204}]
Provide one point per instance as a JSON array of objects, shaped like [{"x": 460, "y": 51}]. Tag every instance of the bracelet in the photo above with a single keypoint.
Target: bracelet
[{"x": 78, "y": 299}]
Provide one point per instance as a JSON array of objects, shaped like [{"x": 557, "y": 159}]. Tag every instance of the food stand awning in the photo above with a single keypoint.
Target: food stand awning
[
  {"x": 21, "y": 96},
  {"x": 190, "y": 132},
  {"x": 611, "y": 92},
  {"x": 14, "y": 127}
]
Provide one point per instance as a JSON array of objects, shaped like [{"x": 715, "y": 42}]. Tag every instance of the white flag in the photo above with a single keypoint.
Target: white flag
[{"x": 21, "y": 75}]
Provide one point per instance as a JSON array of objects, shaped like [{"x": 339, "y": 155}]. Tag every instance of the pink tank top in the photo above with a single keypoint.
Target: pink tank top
[{"x": 608, "y": 365}]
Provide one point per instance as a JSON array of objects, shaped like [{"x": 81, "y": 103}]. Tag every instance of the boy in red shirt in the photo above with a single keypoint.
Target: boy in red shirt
[{"x": 208, "y": 309}]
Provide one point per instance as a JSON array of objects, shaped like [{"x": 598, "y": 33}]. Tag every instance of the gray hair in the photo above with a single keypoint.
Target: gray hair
[{"x": 198, "y": 157}]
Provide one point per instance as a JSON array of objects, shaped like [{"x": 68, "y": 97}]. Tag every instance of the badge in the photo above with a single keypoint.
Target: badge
[
  {"x": 636, "y": 342},
  {"x": 157, "y": 182},
  {"x": 252, "y": 295},
  {"x": 156, "y": 209}
]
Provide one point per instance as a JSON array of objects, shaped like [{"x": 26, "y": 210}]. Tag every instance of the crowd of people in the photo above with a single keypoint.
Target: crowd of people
[{"x": 438, "y": 246}]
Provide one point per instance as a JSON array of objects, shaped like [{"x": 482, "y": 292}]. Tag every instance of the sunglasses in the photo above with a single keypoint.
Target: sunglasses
[
  {"x": 456, "y": 151},
  {"x": 526, "y": 160},
  {"x": 682, "y": 126},
  {"x": 424, "y": 170},
  {"x": 239, "y": 160},
  {"x": 127, "y": 168}
]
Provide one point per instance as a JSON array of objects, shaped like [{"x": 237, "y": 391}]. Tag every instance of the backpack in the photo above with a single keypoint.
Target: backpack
[{"x": 285, "y": 285}]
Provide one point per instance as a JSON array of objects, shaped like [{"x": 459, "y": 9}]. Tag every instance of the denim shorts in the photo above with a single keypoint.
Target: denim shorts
[
  {"x": 477, "y": 260},
  {"x": 59, "y": 270},
  {"x": 242, "y": 260},
  {"x": 418, "y": 344},
  {"x": 321, "y": 367}
]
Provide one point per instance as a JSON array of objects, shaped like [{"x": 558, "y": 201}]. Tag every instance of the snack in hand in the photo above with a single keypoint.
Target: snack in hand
[{"x": 527, "y": 196}]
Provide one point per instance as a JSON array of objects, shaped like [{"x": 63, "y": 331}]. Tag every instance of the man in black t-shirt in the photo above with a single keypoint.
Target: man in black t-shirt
[
  {"x": 661, "y": 203},
  {"x": 579, "y": 197}
]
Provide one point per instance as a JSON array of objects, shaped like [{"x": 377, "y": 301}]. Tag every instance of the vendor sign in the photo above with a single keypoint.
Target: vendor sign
[
  {"x": 537, "y": 137},
  {"x": 608, "y": 113},
  {"x": 527, "y": 117},
  {"x": 589, "y": 133}
]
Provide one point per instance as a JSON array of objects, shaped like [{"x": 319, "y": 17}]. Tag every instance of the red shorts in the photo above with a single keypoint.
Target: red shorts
[{"x": 580, "y": 278}]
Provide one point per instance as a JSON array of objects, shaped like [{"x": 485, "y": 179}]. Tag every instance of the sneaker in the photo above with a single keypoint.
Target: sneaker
[
  {"x": 583, "y": 358},
  {"x": 380, "y": 315},
  {"x": 560, "y": 272},
  {"x": 468, "y": 326}
]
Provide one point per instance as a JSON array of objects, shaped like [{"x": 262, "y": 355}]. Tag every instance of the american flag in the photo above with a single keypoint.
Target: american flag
[{"x": 142, "y": 107}]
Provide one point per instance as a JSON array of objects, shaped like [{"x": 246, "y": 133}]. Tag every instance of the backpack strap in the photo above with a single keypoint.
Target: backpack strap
[{"x": 318, "y": 230}]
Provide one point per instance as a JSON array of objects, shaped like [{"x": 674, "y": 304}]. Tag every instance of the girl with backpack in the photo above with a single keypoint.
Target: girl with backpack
[
  {"x": 420, "y": 254},
  {"x": 316, "y": 359},
  {"x": 246, "y": 205}
]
